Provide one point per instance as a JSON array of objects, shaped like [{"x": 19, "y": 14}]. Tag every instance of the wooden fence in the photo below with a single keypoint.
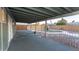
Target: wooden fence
[
  {"x": 65, "y": 27},
  {"x": 42, "y": 27},
  {"x": 21, "y": 27}
]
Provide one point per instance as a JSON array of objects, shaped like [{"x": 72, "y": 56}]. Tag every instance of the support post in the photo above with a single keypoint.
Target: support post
[
  {"x": 41, "y": 31},
  {"x": 35, "y": 27},
  {"x": 30, "y": 27},
  {"x": 45, "y": 27}
]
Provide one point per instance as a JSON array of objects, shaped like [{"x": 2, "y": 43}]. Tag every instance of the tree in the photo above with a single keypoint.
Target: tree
[{"x": 61, "y": 22}]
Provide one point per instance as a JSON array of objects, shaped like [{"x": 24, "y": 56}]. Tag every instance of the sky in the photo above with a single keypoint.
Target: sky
[{"x": 68, "y": 18}]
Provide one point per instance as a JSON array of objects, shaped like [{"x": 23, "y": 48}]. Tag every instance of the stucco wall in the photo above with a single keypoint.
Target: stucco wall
[
  {"x": 0, "y": 36},
  {"x": 6, "y": 29}
]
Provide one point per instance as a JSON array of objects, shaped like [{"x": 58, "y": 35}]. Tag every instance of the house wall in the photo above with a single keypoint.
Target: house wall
[
  {"x": 6, "y": 29},
  {"x": 0, "y": 36}
]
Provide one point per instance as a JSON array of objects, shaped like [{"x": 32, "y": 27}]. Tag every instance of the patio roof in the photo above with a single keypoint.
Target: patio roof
[{"x": 36, "y": 14}]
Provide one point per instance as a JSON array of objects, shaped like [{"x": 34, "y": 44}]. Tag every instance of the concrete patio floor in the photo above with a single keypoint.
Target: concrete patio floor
[{"x": 27, "y": 41}]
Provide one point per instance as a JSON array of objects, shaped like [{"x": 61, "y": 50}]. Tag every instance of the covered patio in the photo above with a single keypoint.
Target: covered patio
[{"x": 25, "y": 40}]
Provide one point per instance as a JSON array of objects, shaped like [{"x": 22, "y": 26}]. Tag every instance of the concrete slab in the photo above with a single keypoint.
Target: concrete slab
[{"x": 28, "y": 41}]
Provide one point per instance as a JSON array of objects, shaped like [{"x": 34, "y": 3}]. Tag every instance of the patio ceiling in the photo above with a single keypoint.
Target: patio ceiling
[{"x": 36, "y": 14}]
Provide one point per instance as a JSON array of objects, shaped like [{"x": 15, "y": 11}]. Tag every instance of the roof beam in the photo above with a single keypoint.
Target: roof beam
[
  {"x": 38, "y": 10},
  {"x": 65, "y": 15},
  {"x": 55, "y": 11},
  {"x": 22, "y": 13},
  {"x": 69, "y": 10},
  {"x": 23, "y": 20},
  {"x": 21, "y": 16},
  {"x": 16, "y": 14},
  {"x": 25, "y": 10}
]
